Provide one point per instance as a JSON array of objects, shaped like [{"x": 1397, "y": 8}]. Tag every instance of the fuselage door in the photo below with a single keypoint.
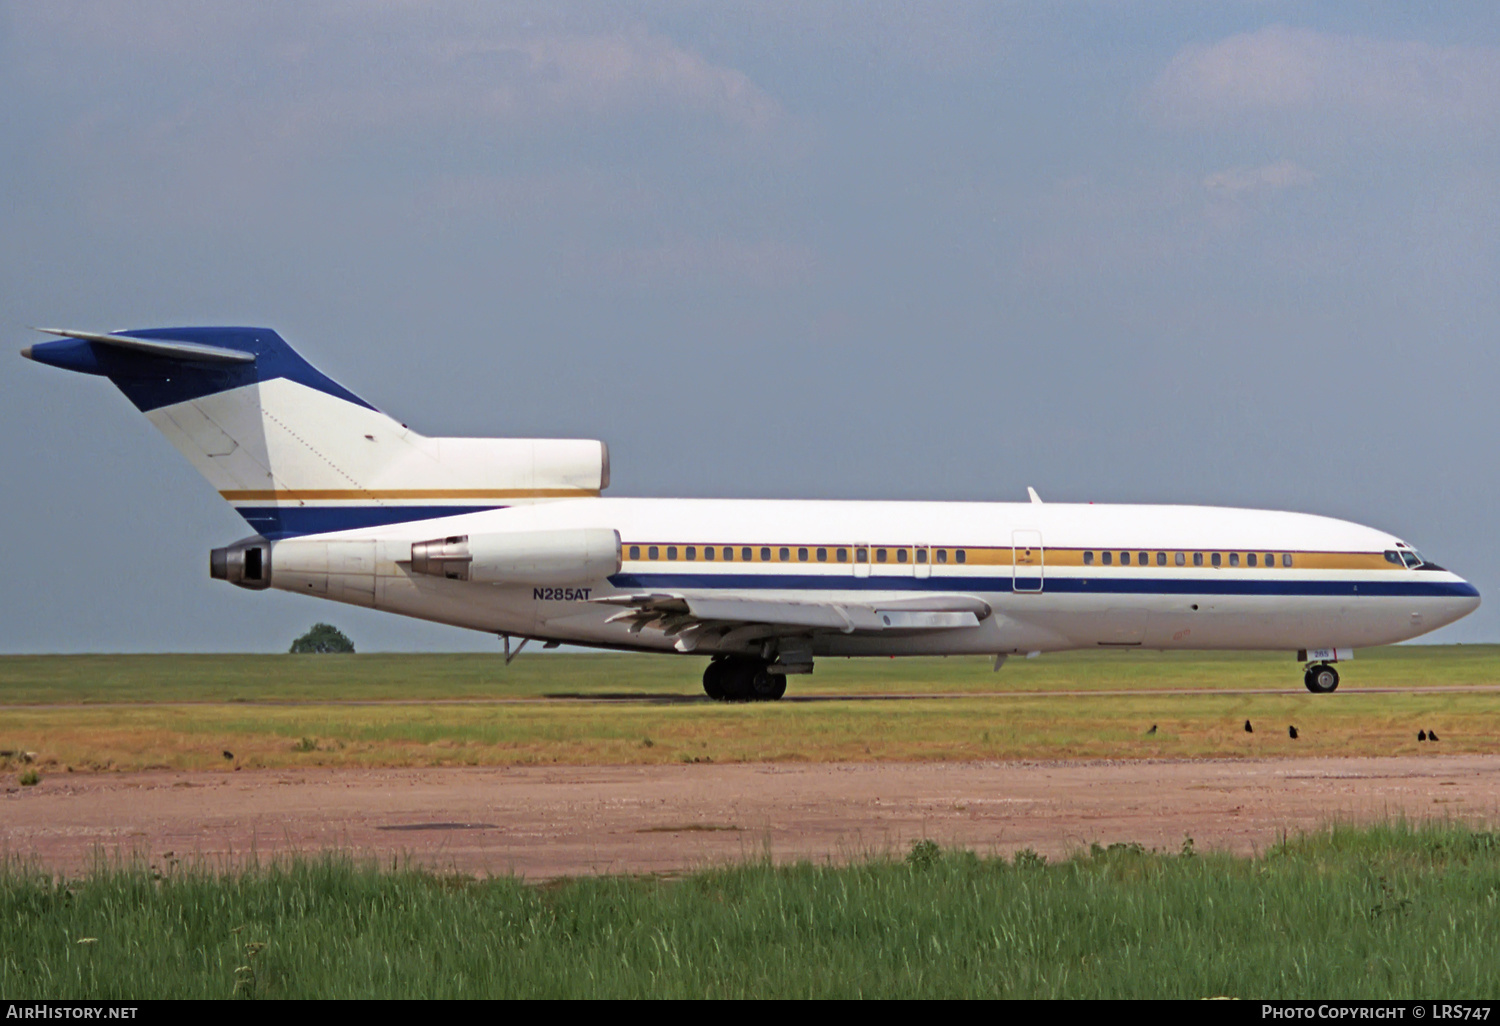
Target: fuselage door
[
  {"x": 921, "y": 561},
  {"x": 861, "y": 561},
  {"x": 1027, "y": 559}
]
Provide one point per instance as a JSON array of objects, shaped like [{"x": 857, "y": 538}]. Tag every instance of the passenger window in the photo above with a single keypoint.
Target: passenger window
[
  {"x": 1197, "y": 559},
  {"x": 1250, "y": 559},
  {"x": 880, "y": 555},
  {"x": 861, "y": 555},
  {"x": 802, "y": 555},
  {"x": 1161, "y": 559},
  {"x": 708, "y": 552},
  {"x": 1124, "y": 559},
  {"x": 692, "y": 552},
  {"x": 765, "y": 554},
  {"x": 1234, "y": 559},
  {"x": 1142, "y": 558},
  {"x": 671, "y": 551},
  {"x": 785, "y": 553},
  {"x": 1270, "y": 559},
  {"x": 1088, "y": 559},
  {"x": 745, "y": 554},
  {"x": 1216, "y": 559},
  {"x": 822, "y": 555},
  {"x": 651, "y": 552},
  {"x": 961, "y": 555},
  {"x": 843, "y": 555},
  {"x": 942, "y": 555},
  {"x": 1180, "y": 559},
  {"x": 1107, "y": 558},
  {"x": 901, "y": 555},
  {"x": 921, "y": 555},
  {"x": 635, "y": 552},
  {"x": 1286, "y": 559}
]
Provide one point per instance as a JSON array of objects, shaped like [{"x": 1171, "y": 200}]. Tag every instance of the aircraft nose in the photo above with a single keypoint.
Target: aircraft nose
[{"x": 1461, "y": 600}]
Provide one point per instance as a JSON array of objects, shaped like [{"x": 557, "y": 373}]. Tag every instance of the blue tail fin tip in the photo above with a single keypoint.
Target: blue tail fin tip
[{"x": 204, "y": 360}]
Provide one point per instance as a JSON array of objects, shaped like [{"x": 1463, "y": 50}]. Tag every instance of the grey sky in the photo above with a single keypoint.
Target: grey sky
[{"x": 1240, "y": 254}]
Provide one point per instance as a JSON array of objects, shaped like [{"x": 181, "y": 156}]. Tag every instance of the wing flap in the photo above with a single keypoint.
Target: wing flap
[{"x": 742, "y": 615}]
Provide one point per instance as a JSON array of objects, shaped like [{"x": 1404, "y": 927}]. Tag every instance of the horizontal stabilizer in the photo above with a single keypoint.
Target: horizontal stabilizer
[{"x": 191, "y": 351}]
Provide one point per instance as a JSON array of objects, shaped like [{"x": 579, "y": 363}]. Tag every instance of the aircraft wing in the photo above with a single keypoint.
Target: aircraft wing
[{"x": 738, "y": 617}]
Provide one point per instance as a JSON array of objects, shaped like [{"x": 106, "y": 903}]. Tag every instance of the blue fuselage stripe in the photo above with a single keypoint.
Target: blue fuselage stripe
[
  {"x": 287, "y": 521},
  {"x": 1052, "y": 585}
]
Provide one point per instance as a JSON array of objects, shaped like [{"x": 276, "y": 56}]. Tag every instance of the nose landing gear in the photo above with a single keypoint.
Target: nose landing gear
[
  {"x": 742, "y": 680},
  {"x": 1321, "y": 679}
]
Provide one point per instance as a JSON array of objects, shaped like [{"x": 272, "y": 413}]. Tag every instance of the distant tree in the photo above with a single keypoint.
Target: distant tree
[{"x": 323, "y": 638}]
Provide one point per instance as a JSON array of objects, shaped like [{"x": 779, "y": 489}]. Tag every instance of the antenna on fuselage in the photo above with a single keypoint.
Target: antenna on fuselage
[{"x": 1034, "y": 496}]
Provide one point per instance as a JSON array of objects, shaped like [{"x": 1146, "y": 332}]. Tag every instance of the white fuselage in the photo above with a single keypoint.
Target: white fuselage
[
  {"x": 510, "y": 536},
  {"x": 1052, "y": 576}
]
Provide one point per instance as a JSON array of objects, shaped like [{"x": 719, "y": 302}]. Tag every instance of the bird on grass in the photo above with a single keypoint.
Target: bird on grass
[
  {"x": 1421, "y": 735},
  {"x": 1151, "y": 731},
  {"x": 1432, "y": 735},
  {"x": 228, "y": 755},
  {"x": 1291, "y": 732},
  {"x": 1249, "y": 729}
]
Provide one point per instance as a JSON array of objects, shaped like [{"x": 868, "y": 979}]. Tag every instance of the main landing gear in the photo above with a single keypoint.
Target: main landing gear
[
  {"x": 1321, "y": 679},
  {"x": 742, "y": 680}
]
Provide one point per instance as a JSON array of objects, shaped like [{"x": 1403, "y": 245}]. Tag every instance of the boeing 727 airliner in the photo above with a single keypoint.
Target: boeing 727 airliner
[{"x": 512, "y": 536}]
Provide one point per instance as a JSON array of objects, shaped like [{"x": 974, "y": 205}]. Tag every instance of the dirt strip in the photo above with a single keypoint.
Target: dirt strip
[{"x": 543, "y": 822}]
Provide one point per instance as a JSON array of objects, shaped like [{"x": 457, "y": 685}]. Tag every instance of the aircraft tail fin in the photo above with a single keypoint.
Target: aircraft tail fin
[{"x": 294, "y": 451}]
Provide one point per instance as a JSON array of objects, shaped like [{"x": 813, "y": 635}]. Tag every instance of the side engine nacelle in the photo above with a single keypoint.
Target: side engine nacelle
[
  {"x": 347, "y": 569},
  {"x": 246, "y": 563},
  {"x": 521, "y": 557}
]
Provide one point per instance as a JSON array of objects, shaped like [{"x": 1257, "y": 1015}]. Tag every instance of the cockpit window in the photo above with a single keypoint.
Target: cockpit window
[{"x": 1409, "y": 558}]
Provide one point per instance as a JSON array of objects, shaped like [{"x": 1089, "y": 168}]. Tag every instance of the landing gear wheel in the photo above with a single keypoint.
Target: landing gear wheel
[
  {"x": 766, "y": 686},
  {"x": 1321, "y": 679},
  {"x": 713, "y": 680},
  {"x": 742, "y": 680},
  {"x": 736, "y": 679}
]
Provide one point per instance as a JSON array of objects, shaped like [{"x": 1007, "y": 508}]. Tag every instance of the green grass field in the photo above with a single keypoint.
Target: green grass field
[
  {"x": 135, "y": 712},
  {"x": 399, "y": 677},
  {"x": 1386, "y": 912}
]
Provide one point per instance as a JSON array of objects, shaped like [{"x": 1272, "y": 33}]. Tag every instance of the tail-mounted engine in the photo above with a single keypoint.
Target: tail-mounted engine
[
  {"x": 246, "y": 563},
  {"x": 521, "y": 557}
]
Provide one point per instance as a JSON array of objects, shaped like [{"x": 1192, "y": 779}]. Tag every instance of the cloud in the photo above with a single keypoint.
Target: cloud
[
  {"x": 178, "y": 119},
  {"x": 1238, "y": 182},
  {"x": 334, "y": 67},
  {"x": 596, "y": 76},
  {"x": 1281, "y": 74}
]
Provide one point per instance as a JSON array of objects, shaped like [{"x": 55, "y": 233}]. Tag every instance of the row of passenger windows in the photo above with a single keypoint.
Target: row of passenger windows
[
  {"x": 862, "y": 554},
  {"x": 803, "y": 553},
  {"x": 1181, "y": 558}
]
